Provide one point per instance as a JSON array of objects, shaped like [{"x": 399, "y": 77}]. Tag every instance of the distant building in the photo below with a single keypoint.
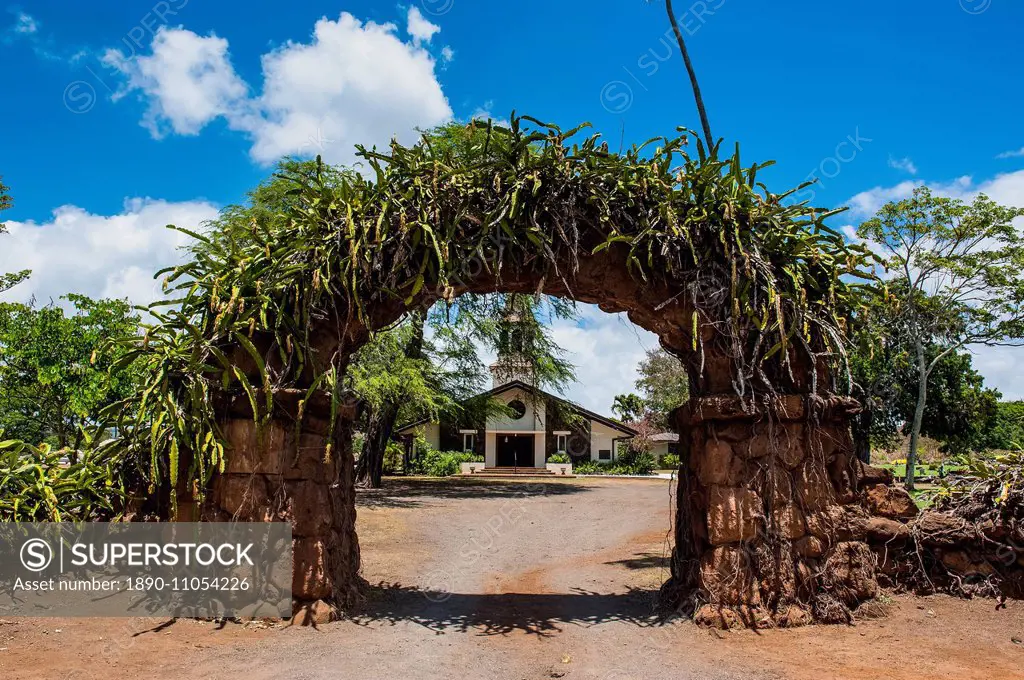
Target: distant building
[
  {"x": 664, "y": 443},
  {"x": 541, "y": 424}
]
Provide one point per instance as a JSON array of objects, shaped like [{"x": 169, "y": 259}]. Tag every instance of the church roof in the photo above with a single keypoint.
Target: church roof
[{"x": 519, "y": 384}]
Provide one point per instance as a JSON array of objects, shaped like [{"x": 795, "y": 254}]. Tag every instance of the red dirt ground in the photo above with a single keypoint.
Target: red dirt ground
[{"x": 521, "y": 580}]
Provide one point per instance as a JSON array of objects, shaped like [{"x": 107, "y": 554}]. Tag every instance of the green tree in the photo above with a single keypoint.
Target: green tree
[
  {"x": 55, "y": 368},
  {"x": 8, "y": 281},
  {"x": 630, "y": 408},
  {"x": 392, "y": 373},
  {"x": 1006, "y": 431},
  {"x": 958, "y": 271},
  {"x": 664, "y": 383}
]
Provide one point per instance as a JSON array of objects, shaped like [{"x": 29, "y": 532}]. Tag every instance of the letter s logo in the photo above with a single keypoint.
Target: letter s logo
[{"x": 36, "y": 554}]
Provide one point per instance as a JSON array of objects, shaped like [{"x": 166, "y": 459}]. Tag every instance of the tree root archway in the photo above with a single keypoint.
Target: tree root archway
[
  {"x": 766, "y": 509},
  {"x": 750, "y": 291}
]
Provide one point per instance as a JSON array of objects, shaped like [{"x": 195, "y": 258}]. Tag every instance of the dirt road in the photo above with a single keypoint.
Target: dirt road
[{"x": 521, "y": 580}]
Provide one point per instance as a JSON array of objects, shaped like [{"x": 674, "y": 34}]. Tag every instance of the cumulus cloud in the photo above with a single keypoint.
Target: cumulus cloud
[
  {"x": 606, "y": 349},
  {"x": 866, "y": 203},
  {"x": 353, "y": 82},
  {"x": 904, "y": 164},
  {"x": 419, "y": 27},
  {"x": 187, "y": 81},
  {"x": 99, "y": 255}
]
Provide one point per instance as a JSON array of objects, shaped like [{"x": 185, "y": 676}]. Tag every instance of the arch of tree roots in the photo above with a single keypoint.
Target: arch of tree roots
[{"x": 246, "y": 414}]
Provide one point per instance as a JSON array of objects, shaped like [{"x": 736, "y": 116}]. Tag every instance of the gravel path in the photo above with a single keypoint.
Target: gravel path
[{"x": 475, "y": 579}]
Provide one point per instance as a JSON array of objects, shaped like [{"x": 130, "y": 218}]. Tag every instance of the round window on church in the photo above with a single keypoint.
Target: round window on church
[
  {"x": 518, "y": 409},
  {"x": 578, "y": 445}
]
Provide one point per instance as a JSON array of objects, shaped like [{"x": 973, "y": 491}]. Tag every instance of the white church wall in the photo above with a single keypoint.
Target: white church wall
[
  {"x": 601, "y": 438},
  {"x": 532, "y": 420}
]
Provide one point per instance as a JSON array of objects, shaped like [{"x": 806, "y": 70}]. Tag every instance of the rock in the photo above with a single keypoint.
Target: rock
[
  {"x": 252, "y": 449},
  {"x": 310, "y": 579},
  {"x": 792, "y": 445},
  {"x": 727, "y": 576},
  {"x": 890, "y": 501},
  {"x": 842, "y": 478},
  {"x": 729, "y": 618},
  {"x": 733, "y": 515},
  {"x": 315, "y": 613},
  {"x": 839, "y": 523},
  {"x": 718, "y": 466},
  {"x": 789, "y": 522},
  {"x": 793, "y": 616},
  {"x": 734, "y": 432},
  {"x": 758, "y": 446},
  {"x": 961, "y": 563},
  {"x": 809, "y": 546},
  {"x": 725, "y": 407},
  {"x": 813, "y": 487},
  {"x": 884, "y": 530},
  {"x": 849, "y": 573},
  {"x": 776, "y": 485},
  {"x": 309, "y": 459},
  {"x": 244, "y": 497},
  {"x": 310, "y": 506},
  {"x": 870, "y": 476},
  {"x": 806, "y": 578},
  {"x": 939, "y": 529}
]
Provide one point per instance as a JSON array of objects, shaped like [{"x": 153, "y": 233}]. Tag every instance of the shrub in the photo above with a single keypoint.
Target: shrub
[
  {"x": 394, "y": 457},
  {"x": 434, "y": 463},
  {"x": 588, "y": 467},
  {"x": 560, "y": 459},
  {"x": 642, "y": 464},
  {"x": 40, "y": 484},
  {"x": 670, "y": 461}
]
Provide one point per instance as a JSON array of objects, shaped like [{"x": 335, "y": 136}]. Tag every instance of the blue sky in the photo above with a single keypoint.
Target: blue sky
[{"x": 120, "y": 117}]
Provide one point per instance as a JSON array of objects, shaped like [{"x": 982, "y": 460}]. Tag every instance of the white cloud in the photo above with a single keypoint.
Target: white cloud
[
  {"x": 188, "y": 81},
  {"x": 606, "y": 349},
  {"x": 447, "y": 54},
  {"x": 865, "y": 204},
  {"x": 904, "y": 164},
  {"x": 354, "y": 82},
  {"x": 1019, "y": 153},
  {"x": 25, "y": 24},
  {"x": 1003, "y": 369},
  {"x": 99, "y": 255},
  {"x": 420, "y": 28}
]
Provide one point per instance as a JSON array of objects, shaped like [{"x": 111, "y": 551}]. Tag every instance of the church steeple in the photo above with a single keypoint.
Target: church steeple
[{"x": 512, "y": 363}]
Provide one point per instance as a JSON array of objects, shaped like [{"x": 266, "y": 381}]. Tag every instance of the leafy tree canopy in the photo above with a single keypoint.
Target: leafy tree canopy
[
  {"x": 664, "y": 383},
  {"x": 957, "y": 279},
  {"x": 630, "y": 408},
  {"x": 8, "y": 281},
  {"x": 55, "y": 376}
]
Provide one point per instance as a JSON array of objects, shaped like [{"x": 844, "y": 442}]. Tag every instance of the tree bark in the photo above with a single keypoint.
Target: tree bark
[
  {"x": 861, "y": 426},
  {"x": 381, "y": 422},
  {"x": 915, "y": 429},
  {"x": 381, "y": 425}
]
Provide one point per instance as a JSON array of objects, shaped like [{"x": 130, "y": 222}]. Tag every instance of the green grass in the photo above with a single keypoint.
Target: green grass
[{"x": 899, "y": 470}]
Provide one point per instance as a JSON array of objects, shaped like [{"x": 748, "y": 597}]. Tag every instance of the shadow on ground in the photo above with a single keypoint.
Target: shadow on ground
[
  {"x": 501, "y": 614},
  {"x": 414, "y": 492},
  {"x": 646, "y": 560}
]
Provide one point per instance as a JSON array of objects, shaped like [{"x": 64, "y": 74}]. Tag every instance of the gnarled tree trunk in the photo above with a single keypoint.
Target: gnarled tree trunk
[{"x": 381, "y": 421}]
